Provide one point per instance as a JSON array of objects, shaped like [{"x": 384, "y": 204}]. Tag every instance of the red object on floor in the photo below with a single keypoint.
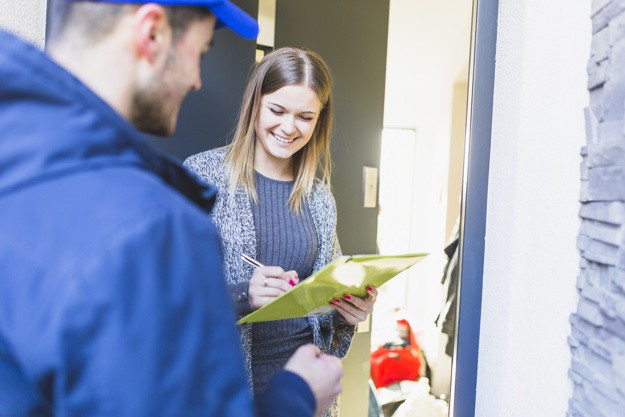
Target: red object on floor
[{"x": 395, "y": 363}]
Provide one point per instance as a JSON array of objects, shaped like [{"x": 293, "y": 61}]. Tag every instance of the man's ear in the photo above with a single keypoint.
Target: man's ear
[{"x": 152, "y": 32}]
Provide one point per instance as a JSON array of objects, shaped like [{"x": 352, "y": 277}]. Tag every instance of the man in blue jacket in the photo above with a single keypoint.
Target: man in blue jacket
[{"x": 112, "y": 298}]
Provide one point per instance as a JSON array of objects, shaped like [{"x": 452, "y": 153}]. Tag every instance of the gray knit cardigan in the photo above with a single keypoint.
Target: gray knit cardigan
[{"x": 232, "y": 215}]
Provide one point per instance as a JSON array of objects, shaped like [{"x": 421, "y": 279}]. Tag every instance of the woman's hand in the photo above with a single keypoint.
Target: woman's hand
[
  {"x": 355, "y": 309},
  {"x": 268, "y": 283}
]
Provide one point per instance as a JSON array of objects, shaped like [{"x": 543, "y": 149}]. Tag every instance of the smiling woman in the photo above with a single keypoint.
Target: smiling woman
[
  {"x": 271, "y": 206},
  {"x": 272, "y": 105},
  {"x": 286, "y": 122}
]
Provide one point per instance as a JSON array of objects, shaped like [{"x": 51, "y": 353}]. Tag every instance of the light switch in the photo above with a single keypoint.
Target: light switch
[{"x": 370, "y": 186}]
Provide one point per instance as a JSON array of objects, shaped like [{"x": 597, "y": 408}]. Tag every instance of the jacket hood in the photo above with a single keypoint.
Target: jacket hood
[{"x": 52, "y": 124}]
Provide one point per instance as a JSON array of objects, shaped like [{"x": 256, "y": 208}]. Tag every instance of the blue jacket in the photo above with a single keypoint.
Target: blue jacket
[{"x": 112, "y": 295}]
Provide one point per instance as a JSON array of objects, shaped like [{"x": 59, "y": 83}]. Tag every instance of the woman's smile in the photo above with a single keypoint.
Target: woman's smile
[{"x": 282, "y": 139}]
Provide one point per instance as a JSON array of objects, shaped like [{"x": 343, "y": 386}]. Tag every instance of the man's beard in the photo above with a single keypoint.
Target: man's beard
[
  {"x": 149, "y": 115},
  {"x": 149, "y": 112}
]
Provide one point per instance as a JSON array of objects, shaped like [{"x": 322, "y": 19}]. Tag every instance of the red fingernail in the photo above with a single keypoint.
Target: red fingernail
[
  {"x": 337, "y": 301},
  {"x": 292, "y": 283},
  {"x": 331, "y": 303},
  {"x": 347, "y": 297},
  {"x": 369, "y": 289}
]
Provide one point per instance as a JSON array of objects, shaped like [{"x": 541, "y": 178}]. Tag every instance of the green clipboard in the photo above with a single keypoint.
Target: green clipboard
[{"x": 345, "y": 275}]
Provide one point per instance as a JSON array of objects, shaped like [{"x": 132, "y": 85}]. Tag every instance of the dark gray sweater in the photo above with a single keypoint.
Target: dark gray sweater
[{"x": 287, "y": 240}]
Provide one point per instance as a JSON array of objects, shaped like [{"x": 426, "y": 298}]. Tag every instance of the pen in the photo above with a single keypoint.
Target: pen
[{"x": 251, "y": 261}]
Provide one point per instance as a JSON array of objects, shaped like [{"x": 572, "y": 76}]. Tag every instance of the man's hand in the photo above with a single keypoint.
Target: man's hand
[
  {"x": 322, "y": 372},
  {"x": 268, "y": 283}
]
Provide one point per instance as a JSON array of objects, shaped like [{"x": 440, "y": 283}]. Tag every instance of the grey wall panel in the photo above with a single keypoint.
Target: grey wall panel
[{"x": 351, "y": 35}]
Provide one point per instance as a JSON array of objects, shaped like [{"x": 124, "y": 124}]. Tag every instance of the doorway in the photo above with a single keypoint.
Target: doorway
[{"x": 421, "y": 163}]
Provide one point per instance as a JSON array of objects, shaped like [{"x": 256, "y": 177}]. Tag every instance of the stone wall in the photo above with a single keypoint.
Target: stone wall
[{"x": 598, "y": 327}]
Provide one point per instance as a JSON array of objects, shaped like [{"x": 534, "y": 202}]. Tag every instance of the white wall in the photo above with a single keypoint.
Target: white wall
[
  {"x": 25, "y": 18},
  {"x": 531, "y": 259}
]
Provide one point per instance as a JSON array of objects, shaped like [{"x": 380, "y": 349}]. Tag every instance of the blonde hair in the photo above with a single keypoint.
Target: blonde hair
[{"x": 280, "y": 68}]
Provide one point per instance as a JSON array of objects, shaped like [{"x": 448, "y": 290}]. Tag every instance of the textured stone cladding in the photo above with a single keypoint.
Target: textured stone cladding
[{"x": 597, "y": 337}]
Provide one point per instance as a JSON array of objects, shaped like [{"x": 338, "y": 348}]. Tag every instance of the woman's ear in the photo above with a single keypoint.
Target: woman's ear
[{"x": 153, "y": 34}]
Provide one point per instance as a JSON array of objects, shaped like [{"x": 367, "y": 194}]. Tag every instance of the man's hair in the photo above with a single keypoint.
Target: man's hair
[{"x": 91, "y": 21}]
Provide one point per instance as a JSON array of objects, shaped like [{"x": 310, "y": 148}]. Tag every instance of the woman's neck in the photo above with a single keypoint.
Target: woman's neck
[
  {"x": 277, "y": 169},
  {"x": 274, "y": 174}
]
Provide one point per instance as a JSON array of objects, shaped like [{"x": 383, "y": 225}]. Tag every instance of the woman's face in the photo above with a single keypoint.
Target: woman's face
[{"x": 286, "y": 121}]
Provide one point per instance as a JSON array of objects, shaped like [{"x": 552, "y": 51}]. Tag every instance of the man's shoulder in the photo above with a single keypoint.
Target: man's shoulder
[
  {"x": 116, "y": 200},
  {"x": 134, "y": 185},
  {"x": 148, "y": 195},
  {"x": 101, "y": 229}
]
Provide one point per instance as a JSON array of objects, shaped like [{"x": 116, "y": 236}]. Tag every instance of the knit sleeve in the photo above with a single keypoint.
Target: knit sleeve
[{"x": 208, "y": 165}]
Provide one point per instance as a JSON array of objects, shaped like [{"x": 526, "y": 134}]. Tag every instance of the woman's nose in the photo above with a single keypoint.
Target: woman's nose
[{"x": 288, "y": 125}]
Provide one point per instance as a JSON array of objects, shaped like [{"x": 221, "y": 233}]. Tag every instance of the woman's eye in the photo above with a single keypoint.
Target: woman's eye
[
  {"x": 276, "y": 112},
  {"x": 306, "y": 118}
]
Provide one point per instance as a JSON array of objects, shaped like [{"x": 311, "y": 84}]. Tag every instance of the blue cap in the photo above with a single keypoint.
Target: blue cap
[{"x": 226, "y": 12}]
